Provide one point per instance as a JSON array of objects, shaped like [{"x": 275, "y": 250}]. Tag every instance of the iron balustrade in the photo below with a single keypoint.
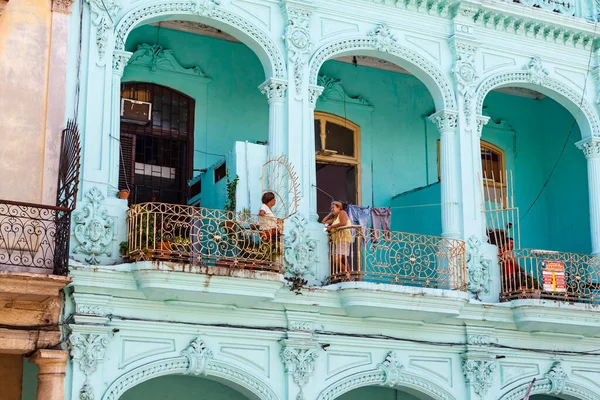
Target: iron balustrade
[
  {"x": 203, "y": 237},
  {"x": 399, "y": 258},
  {"x": 528, "y": 273},
  {"x": 34, "y": 237}
]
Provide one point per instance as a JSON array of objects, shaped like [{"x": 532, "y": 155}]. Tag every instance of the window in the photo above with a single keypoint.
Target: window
[
  {"x": 220, "y": 172},
  {"x": 155, "y": 155},
  {"x": 492, "y": 164},
  {"x": 336, "y": 138}
]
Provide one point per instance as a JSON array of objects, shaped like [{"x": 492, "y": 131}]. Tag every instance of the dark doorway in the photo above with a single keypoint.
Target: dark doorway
[{"x": 336, "y": 182}]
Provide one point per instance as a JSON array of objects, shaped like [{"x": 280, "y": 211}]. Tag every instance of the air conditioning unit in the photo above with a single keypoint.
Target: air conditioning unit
[{"x": 136, "y": 112}]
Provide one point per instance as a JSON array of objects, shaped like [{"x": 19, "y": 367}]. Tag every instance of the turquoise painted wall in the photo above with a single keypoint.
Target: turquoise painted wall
[
  {"x": 229, "y": 108},
  {"x": 417, "y": 211},
  {"x": 30, "y": 382},
  {"x": 379, "y": 393},
  {"x": 559, "y": 220},
  {"x": 395, "y": 139},
  {"x": 176, "y": 387}
]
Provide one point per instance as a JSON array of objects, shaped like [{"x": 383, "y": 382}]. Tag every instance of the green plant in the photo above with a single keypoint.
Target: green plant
[
  {"x": 182, "y": 240},
  {"x": 123, "y": 249},
  {"x": 231, "y": 185}
]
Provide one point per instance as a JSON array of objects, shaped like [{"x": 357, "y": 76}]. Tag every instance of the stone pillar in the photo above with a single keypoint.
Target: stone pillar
[
  {"x": 51, "y": 377},
  {"x": 275, "y": 90},
  {"x": 313, "y": 94},
  {"x": 120, "y": 60},
  {"x": 591, "y": 149},
  {"x": 447, "y": 124}
]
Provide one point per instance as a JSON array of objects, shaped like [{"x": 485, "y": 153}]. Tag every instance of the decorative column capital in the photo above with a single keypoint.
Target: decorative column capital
[
  {"x": 275, "y": 89},
  {"x": 88, "y": 349},
  {"x": 120, "y": 61},
  {"x": 479, "y": 373},
  {"x": 299, "y": 359},
  {"x": 314, "y": 92},
  {"x": 446, "y": 120},
  {"x": 482, "y": 120},
  {"x": 50, "y": 362},
  {"x": 590, "y": 147},
  {"x": 61, "y": 6}
]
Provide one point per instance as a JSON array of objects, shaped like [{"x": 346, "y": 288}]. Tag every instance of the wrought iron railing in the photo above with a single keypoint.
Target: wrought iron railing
[
  {"x": 203, "y": 237},
  {"x": 34, "y": 237},
  {"x": 398, "y": 258},
  {"x": 527, "y": 273}
]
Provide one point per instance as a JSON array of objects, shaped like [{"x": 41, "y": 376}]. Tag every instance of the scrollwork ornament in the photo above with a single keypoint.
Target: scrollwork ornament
[
  {"x": 300, "y": 250},
  {"x": 274, "y": 89},
  {"x": 93, "y": 228},
  {"x": 383, "y": 38},
  {"x": 480, "y": 340},
  {"x": 590, "y": 147},
  {"x": 392, "y": 368},
  {"x": 88, "y": 350},
  {"x": 479, "y": 374},
  {"x": 298, "y": 41},
  {"x": 205, "y": 8},
  {"x": 103, "y": 17},
  {"x": 314, "y": 92},
  {"x": 300, "y": 362},
  {"x": 558, "y": 378},
  {"x": 478, "y": 268},
  {"x": 465, "y": 75},
  {"x": 86, "y": 392},
  {"x": 537, "y": 72},
  {"x": 120, "y": 61},
  {"x": 198, "y": 356}
]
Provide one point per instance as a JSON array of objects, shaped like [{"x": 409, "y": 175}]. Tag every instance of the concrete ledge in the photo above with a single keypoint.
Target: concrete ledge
[{"x": 23, "y": 286}]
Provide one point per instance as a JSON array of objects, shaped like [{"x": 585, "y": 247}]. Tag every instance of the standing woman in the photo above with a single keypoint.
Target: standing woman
[{"x": 341, "y": 238}]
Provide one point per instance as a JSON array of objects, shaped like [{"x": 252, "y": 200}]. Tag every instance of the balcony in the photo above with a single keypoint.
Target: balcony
[
  {"x": 550, "y": 275},
  {"x": 34, "y": 238},
  {"x": 202, "y": 237}
]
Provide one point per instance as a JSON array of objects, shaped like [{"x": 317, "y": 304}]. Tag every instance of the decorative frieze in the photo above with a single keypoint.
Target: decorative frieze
[
  {"x": 479, "y": 374},
  {"x": 155, "y": 57},
  {"x": 297, "y": 39},
  {"x": 299, "y": 360},
  {"x": 93, "y": 228}
]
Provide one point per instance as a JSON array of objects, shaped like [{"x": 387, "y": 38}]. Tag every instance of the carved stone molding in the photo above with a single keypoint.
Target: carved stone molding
[
  {"x": 392, "y": 369},
  {"x": 93, "y": 228},
  {"x": 445, "y": 120},
  {"x": 333, "y": 90},
  {"x": 274, "y": 89},
  {"x": 198, "y": 356},
  {"x": 207, "y": 9},
  {"x": 196, "y": 359},
  {"x": 297, "y": 39},
  {"x": 465, "y": 73},
  {"x": 590, "y": 147},
  {"x": 314, "y": 92},
  {"x": 481, "y": 340},
  {"x": 300, "y": 250},
  {"x": 558, "y": 378},
  {"x": 479, "y": 374},
  {"x": 155, "y": 57},
  {"x": 534, "y": 73},
  {"x": 382, "y": 39},
  {"x": 103, "y": 13},
  {"x": 478, "y": 268},
  {"x": 88, "y": 350},
  {"x": 482, "y": 120},
  {"x": 299, "y": 360},
  {"x": 60, "y": 6}
]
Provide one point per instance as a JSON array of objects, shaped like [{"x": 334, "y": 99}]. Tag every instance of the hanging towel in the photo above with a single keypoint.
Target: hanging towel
[{"x": 381, "y": 220}]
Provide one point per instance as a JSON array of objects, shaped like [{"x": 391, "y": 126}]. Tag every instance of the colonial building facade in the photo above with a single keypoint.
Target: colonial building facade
[{"x": 474, "y": 124}]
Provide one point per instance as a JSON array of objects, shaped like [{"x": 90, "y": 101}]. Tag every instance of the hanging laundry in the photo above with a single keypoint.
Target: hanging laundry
[
  {"x": 381, "y": 220},
  {"x": 360, "y": 215}
]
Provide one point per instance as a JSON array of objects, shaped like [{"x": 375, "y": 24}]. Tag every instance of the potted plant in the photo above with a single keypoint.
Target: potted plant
[
  {"x": 124, "y": 249},
  {"x": 123, "y": 194}
]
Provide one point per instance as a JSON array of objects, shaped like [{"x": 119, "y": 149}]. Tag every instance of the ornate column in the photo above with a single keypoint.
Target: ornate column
[
  {"x": 52, "y": 365},
  {"x": 120, "y": 60},
  {"x": 591, "y": 149},
  {"x": 447, "y": 124},
  {"x": 275, "y": 90},
  {"x": 56, "y": 96},
  {"x": 313, "y": 94}
]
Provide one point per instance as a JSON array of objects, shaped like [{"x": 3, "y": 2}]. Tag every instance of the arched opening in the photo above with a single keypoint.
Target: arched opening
[
  {"x": 376, "y": 152},
  {"x": 220, "y": 77},
  {"x": 537, "y": 213},
  {"x": 544, "y": 397},
  {"x": 179, "y": 387},
  {"x": 383, "y": 393}
]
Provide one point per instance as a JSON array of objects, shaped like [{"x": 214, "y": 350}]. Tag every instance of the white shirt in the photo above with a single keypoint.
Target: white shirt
[{"x": 269, "y": 220}]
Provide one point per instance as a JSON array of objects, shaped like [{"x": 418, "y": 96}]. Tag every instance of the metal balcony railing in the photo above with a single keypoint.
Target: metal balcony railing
[
  {"x": 398, "y": 258},
  {"x": 34, "y": 237},
  {"x": 203, "y": 237},
  {"x": 527, "y": 273}
]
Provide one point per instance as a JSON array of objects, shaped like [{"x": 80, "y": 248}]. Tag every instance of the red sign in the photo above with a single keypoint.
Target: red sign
[{"x": 553, "y": 276}]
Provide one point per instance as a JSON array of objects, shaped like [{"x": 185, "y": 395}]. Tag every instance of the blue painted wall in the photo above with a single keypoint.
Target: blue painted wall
[
  {"x": 177, "y": 387},
  {"x": 229, "y": 108},
  {"x": 30, "y": 381}
]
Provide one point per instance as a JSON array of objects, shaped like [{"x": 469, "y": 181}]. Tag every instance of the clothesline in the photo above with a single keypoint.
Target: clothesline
[{"x": 413, "y": 206}]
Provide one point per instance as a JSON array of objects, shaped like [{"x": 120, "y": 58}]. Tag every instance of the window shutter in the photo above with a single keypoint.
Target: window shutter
[{"x": 127, "y": 164}]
